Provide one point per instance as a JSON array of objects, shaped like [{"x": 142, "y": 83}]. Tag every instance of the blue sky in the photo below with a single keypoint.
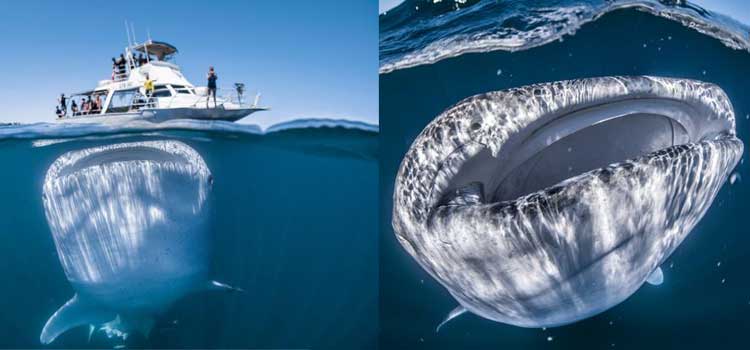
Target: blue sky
[{"x": 307, "y": 58}]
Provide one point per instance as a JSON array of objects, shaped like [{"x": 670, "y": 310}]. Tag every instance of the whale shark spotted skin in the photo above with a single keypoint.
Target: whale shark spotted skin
[
  {"x": 546, "y": 204},
  {"x": 129, "y": 225}
]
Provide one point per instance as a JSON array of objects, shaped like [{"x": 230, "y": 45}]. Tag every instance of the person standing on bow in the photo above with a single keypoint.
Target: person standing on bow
[{"x": 212, "y": 77}]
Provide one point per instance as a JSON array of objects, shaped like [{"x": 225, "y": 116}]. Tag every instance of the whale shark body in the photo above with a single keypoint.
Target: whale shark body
[
  {"x": 129, "y": 225},
  {"x": 546, "y": 204}
]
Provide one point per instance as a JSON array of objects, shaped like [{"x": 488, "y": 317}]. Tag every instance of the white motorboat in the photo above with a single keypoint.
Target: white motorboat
[{"x": 123, "y": 97}]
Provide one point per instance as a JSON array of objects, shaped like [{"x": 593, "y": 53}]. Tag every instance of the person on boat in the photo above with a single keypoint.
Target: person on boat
[
  {"x": 141, "y": 60},
  {"x": 121, "y": 64},
  {"x": 86, "y": 107},
  {"x": 58, "y": 112},
  {"x": 73, "y": 107},
  {"x": 114, "y": 68},
  {"x": 148, "y": 86},
  {"x": 98, "y": 104},
  {"x": 212, "y": 77},
  {"x": 63, "y": 104}
]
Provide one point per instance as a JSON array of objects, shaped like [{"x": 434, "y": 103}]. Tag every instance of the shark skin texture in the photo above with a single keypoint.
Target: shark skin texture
[
  {"x": 547, "y": 204},
  {"x": 129, "y": 222}
]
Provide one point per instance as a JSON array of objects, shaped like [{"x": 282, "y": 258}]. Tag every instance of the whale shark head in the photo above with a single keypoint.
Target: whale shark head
[
  {"x": 129, "y": 222},
  {"x": 546, "y": 204}
]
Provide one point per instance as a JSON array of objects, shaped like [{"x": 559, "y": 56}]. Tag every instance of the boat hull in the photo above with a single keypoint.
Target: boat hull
[{"x": 161, "y": 115}]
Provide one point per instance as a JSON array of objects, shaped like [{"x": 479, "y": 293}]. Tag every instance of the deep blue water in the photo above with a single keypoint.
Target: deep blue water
[
  {"x": 705, "y": 299},
  {"x": 293, "y": 222}
]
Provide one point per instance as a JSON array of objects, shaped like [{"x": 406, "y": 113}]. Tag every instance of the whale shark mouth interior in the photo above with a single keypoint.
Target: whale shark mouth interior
[
  {"x": 574, "y": 141},
  {"x": 143, "y": 152}
]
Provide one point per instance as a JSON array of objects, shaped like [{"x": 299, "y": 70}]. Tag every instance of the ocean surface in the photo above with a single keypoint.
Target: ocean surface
[
  {"x": 293, "y": 222},
  {"x": 436, "y": 53}
]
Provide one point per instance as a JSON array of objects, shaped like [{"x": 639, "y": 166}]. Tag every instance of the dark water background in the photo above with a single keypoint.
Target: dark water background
[
  {"x": 693, "y": 308},
  {"x": 294, "y": 223}
]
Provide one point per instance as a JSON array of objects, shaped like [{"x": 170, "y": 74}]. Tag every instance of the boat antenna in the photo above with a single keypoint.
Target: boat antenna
[
  {"x": 127, "y": 32},
  {"x": 131, "y": 62},
  {"x": 132, "y": 30}
]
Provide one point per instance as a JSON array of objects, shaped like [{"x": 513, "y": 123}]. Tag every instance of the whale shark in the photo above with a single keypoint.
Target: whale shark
[
  {"x": 543, "y": 205},
  {"x": 129, "y": 225}
]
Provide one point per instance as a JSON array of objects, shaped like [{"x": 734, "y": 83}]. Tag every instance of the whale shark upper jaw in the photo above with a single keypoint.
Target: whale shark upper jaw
[{"x": 542, "y": 205}]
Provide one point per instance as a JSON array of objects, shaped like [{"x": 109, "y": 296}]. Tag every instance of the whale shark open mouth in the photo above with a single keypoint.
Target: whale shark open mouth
[{"x": 546, "y": 204}]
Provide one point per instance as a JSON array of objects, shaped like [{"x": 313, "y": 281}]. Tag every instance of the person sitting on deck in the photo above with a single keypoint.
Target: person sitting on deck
[
  {"x": 73, "y": 107},
  {"x": 86, "y": 107},
  {"x": 98, "y": 103},
  {"x": 58, "y": 112}
]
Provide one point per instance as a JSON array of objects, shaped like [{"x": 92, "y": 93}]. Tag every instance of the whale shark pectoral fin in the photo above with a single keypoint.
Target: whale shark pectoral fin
[
  {"x": 458, "y": 311},
  {"x": 216, "y": 285},
  {"x": 656, "y": 278},
  {"x": 91, "y": 332},
  {"x": 74, "y": 313}
]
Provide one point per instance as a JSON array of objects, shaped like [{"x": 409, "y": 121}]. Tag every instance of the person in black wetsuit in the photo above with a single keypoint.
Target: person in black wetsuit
[
  {"x": 121, "y": 63},
  {"x": 212, "y": 77},
  {"x": 63, "y": 104}
]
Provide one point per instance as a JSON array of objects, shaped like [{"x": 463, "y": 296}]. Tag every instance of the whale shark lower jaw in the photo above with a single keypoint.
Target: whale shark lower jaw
[{"x": 546, "y": 204}]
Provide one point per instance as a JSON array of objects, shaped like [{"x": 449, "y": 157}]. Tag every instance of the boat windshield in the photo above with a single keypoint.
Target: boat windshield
[
  {"x": 86, "y": 103},
  {"x": 122, "y": 100},
  {"x": 161, "y": 91},
  {"x": 180, "y": 89}
]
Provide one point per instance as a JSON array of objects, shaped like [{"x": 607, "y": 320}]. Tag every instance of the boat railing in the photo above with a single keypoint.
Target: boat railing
[
  {"x": 232, "y": 96},
  {"x": 118, "y": 77},
  {"x": 143, "y": 101},
  {"x": 80, "y": 113}
]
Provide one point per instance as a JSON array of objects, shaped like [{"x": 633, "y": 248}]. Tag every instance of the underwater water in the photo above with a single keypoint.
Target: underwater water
[
  {"x": 435, "y": 55},
  {"x": 291, "y": 220}
]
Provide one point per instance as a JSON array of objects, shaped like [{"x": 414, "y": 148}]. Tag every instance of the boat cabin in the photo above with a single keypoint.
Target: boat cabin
[{"x": 125, "y": 92}]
